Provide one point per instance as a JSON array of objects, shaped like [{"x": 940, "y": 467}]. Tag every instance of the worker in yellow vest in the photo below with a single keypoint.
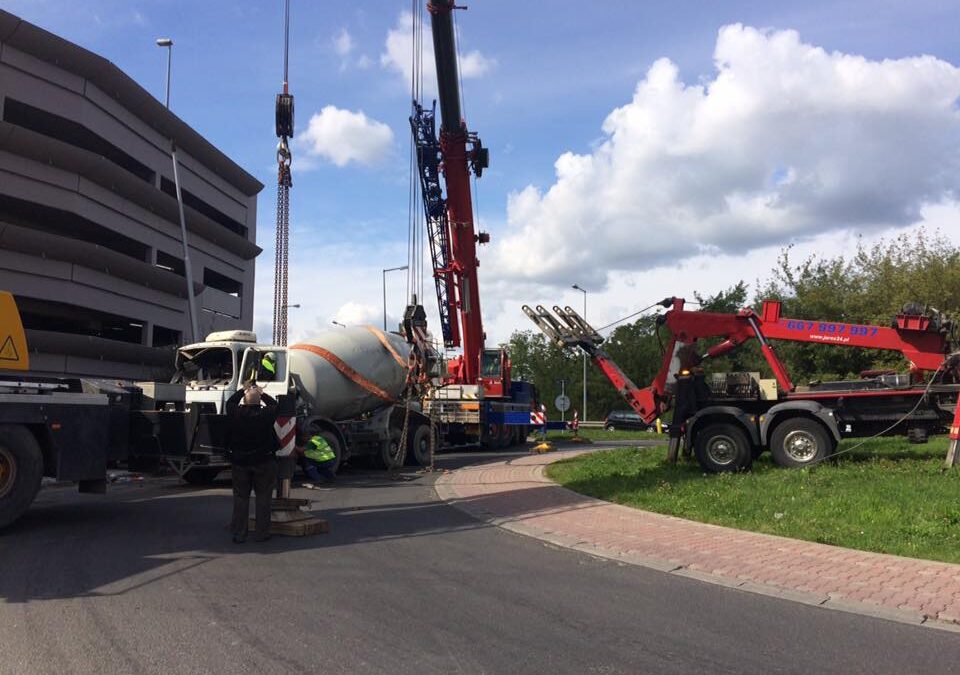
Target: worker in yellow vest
[{"x": 318, "y": 460}]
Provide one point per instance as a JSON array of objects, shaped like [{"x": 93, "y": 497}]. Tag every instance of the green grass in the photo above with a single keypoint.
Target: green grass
[
  {"x": 601, "y": 435},
  {"x": 887, "y": 496}
]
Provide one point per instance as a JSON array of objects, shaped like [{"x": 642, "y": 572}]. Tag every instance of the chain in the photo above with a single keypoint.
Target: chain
[{"x": 282, "y": 243}]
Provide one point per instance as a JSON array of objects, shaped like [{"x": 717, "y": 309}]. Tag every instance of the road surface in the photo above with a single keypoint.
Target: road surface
[{"x": 146, "y": 580}]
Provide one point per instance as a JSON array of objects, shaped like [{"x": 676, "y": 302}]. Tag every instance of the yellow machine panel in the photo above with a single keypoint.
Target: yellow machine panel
[{"x": 13, "y": 343}]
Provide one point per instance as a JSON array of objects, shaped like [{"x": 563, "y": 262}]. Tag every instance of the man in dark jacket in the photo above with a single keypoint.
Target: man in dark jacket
[{"x": 251, "y": 443}]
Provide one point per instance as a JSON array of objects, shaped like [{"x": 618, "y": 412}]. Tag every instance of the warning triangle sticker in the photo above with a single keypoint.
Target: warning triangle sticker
[{"x": 8, "y": 352}]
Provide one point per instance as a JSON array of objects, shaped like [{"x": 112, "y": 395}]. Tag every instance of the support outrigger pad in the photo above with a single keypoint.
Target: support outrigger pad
[
  {"x": 292, "y": 518},
  {"x": 543, "y": 446}
]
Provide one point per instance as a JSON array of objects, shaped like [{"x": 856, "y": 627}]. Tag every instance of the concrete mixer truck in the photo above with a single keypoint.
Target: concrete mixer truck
[{"x": 357, "y": 386}]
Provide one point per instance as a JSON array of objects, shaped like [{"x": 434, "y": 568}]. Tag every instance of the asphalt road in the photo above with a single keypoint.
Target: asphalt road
[{"x": 146, "y": 580}]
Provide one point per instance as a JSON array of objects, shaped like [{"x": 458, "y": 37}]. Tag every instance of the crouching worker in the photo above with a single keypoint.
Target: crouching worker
[
  {"x": 251, "y": 444},
  {"x": 318, "y": 461}
]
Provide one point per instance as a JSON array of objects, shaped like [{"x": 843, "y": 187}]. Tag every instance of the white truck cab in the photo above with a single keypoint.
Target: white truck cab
[{"x": 214, "y": 369}]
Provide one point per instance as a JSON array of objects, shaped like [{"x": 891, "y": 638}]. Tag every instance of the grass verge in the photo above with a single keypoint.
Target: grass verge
[{"x": 887, "y": 496}]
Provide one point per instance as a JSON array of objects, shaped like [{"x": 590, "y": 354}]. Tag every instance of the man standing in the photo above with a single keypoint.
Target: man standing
[{"x": 251, "y": 443}]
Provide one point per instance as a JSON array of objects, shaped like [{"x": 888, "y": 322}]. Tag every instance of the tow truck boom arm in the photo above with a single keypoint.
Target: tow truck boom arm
[{"x": 923, "y": 340}]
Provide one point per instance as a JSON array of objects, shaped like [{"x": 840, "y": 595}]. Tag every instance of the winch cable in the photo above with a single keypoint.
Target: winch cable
[
  {"x": 415, "y": 266},
  {"x": 284, "y": 131},
  {"x": 890, "y": 428},
  {"x": 630, "y": 316}
]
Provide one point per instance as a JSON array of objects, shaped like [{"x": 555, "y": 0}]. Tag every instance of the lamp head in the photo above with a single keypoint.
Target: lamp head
[{"x": 164, "y": 42}]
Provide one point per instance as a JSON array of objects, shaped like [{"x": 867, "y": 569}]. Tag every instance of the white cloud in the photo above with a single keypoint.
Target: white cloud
[
  {"x": 343, "y": 43},
  {"x": 343, "y": 136},
  {"x": 785, "y": 142},
  {"x": 353, "y": 313},
  {"x": 398, "y": 55}
]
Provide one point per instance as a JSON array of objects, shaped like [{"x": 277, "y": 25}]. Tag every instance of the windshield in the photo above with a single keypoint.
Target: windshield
[
  {"x": 208, "y": 366},
  {"x": 490, "y": 364}
]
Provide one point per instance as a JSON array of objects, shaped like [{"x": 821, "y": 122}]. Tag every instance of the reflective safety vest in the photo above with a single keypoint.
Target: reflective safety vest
[
  {"x": 319, "y": 450},
  {"x": 268, "y": 365}
]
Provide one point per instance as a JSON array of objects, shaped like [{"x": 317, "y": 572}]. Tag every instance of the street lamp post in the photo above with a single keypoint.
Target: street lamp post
[
  {"x": 389, "y": 269},
  {"x": 337, "y": 323},
  {"x": 583, "y": 417},
  {"x": 187, "y": 268}
]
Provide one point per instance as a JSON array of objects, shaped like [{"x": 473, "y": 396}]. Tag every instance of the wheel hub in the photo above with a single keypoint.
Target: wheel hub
[
  {"x": 722, "y": 450},
  {"x": 800, "y": 446},
  {"x": 8, "y": 471}
]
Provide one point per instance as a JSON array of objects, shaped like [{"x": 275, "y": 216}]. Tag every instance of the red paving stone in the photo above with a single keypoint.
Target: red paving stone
[{"x": 518, "y": 496}]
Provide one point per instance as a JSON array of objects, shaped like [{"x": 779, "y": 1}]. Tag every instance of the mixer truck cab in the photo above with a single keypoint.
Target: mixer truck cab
[{"x": 214, "y": 369}]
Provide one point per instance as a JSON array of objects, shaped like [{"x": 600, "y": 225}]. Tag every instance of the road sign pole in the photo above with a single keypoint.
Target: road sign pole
[{"x": 563, "y": 392}]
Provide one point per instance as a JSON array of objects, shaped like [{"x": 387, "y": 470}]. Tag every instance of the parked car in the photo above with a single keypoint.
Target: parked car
[
  {"x": 624, "y": 419},
  {"x": 629, "y": 420}
]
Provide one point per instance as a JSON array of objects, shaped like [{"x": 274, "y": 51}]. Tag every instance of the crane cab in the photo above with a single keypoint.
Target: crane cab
[{"x": 495, "y": 373}]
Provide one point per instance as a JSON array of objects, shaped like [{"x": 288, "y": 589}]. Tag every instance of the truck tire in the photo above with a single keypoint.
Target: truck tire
[
  {"x": 419, "y": 450},
  {"x": 390, "y": 455},
  {"x": 723, "y": 447},
  {"x": 799, "y": 442},
  {"x": 202, "y": 475},
  {"x": 21, "y": 469}
]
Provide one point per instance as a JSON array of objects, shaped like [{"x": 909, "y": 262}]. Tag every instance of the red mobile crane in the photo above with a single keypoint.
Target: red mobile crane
[
  {"x": 733, "y": 417},
  {"x": 479, "y": 402}
]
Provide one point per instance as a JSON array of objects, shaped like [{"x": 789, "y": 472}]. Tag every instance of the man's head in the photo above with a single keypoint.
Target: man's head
[{"x": 251, "y": 395}]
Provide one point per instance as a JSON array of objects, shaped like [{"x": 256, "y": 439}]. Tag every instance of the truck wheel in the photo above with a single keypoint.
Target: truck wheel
[
  {"x": 21, "y": 469},
  {"x": 203, "y": 475},
  {"x": 799, "y": 442},
  {"x": 506, "y": 437},
  {"x": 420, "y": 445},
  {"x": 390, "y": 456},
  {"x": 723, "y": 447}
]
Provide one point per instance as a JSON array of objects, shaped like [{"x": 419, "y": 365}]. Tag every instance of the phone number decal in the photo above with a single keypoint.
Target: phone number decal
[{"x": 831, "y": 332}]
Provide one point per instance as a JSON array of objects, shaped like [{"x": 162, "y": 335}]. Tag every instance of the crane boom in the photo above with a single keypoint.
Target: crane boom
[{"x": 457, "y": 159}]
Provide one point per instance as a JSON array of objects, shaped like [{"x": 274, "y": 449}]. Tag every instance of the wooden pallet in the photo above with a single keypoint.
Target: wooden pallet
[{"x": 289, "y": 517}]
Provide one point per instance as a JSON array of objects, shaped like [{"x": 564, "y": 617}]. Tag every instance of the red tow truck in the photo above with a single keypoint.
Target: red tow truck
[{"x": 728, "y": 419}]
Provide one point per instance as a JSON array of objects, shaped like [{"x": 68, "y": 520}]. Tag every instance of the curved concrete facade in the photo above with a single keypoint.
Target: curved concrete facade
[{"x": 89, "y": 229}]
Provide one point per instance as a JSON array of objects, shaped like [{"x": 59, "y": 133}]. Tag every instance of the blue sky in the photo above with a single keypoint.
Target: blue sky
[{"x": 551, "y": 74}]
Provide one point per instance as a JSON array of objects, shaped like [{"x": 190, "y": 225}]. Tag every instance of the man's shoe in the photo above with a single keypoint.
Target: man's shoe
[{"x": 239, "y": 538}]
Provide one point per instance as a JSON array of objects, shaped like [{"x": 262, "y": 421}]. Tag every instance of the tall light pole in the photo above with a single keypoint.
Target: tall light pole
[
  {"x": 389, "y": 269},
  {"x": 583, "y": 415},
  {"x": 337, "y": 323},
  {"x": 188, "y": 271}
]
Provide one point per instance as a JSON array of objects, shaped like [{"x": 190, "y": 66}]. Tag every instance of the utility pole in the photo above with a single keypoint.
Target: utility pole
[{"x": 187, "y": 267}]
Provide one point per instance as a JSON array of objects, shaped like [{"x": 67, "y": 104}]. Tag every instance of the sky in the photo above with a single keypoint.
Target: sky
[{"x": 638, "y": 149}]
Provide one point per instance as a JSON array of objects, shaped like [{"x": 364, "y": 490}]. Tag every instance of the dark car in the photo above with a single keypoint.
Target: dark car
[{"x": 624, "y": 419}]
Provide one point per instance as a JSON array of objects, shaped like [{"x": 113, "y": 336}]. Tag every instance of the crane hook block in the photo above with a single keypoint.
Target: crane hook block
[
  {"x": 479, "y": 158},
  {"x": 284, "y": 115}
]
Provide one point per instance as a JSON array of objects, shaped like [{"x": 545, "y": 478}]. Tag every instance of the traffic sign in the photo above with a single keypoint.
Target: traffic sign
[{"x": 562, "y": 402}]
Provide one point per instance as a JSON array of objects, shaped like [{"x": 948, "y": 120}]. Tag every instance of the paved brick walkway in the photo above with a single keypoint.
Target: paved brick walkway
[{"x": 517, "y": 495}]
